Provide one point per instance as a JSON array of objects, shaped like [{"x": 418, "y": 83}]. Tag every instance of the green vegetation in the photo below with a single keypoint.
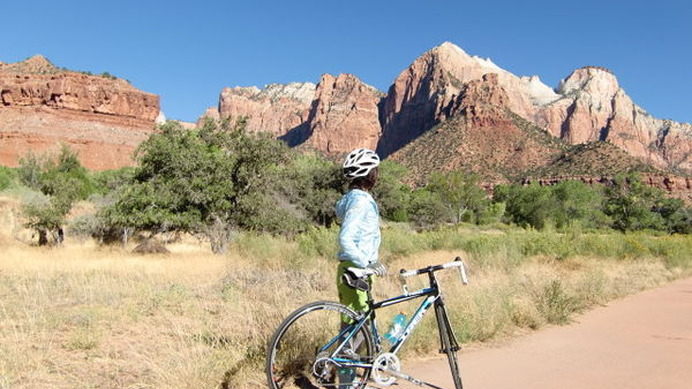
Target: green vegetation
[
  {"x": 219, "y": 180},
  {"x": 58, "y": 182},
  {"x": 208, "y": 181},
  {"x": 8, "y": 177},
  {"x": 626, "y": 205}
]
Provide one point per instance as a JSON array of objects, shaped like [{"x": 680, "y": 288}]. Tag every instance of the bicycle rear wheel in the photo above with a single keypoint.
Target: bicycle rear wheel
[{"x": 309, "y": 350}]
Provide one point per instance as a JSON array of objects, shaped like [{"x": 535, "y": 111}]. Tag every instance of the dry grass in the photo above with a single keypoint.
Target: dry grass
[{"x": 81, "y": 316}]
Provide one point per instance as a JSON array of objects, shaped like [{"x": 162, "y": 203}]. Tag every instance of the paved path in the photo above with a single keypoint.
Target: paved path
[{"x": 641, "y": 341}]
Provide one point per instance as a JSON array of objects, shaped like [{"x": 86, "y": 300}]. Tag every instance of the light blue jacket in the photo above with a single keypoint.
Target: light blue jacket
[{"x": 359, "y": 237}]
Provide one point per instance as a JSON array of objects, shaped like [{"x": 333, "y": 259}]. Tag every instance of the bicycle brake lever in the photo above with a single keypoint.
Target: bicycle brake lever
[{"x": 462, "y": 272}]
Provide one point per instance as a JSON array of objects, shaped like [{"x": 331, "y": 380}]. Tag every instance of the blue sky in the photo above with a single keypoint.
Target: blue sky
[{"x": 188, "y": 51}]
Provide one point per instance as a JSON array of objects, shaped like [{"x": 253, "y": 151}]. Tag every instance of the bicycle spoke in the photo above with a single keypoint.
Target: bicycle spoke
[{"x": 311, "y": 350}]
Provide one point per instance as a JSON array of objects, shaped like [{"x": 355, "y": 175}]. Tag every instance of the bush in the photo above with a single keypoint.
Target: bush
[
  {"x": 555, "y": 304},
  {"x": 8, "y": 177}
]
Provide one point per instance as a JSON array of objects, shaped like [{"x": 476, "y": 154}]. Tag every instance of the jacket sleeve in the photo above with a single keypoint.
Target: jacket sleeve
[{"x": 349, "y": 234}]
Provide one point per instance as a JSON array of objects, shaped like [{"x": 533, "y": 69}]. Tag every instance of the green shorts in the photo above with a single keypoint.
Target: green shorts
[{"x": 350, "y": 297}]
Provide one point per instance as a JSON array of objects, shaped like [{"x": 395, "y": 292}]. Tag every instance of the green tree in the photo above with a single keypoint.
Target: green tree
[
  {"x": 677, "y": 217},
  {"x": 313, "y": 184},
  {"x": 529, "y": 205},
  {"x": 7, "y": 177},
  {"x": 392, "y": 194},
  {"x": 208, "y": 181},
  {"x": 427, "y": 210},
  {"x": 629, "y": 202},
  {"x": 62, "y": 180},
  {"x": 45, "y": 217},
  {"x": 107, "y": 181},
  {"x": 461, "y": 193},
  {"x": 30, "y": 169},
  {"x": 577, "y": 203}
]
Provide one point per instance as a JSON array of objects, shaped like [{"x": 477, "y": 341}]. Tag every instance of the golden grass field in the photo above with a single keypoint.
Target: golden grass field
[{"x": 83, "y": 316}]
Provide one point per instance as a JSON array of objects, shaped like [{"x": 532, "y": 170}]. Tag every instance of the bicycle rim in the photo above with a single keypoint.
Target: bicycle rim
[{"x": 301, "y": 352}]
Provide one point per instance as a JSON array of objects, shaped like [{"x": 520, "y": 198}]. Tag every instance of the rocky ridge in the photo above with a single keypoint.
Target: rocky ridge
[
  {"x": 588, "y": 105},
  {"x": 451, "y": 105},
  {"x": 488, "y": 104},
  {"x": 593, "y": 107},
  {"x": 101, "y": 117},
  {"x": 482, "y": 136}
]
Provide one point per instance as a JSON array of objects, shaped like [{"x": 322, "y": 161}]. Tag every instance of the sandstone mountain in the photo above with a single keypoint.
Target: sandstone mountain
[
  {"x": 421, "y": 95},
  {"x": 593, "y": 107},
  {"x": 101, "y": 117},
  {"x": 483, "y": 136},
  {"x": 447, "y": 110},
  {"x": 450, "y": 110},
  {"x": 335, "y": 116}
]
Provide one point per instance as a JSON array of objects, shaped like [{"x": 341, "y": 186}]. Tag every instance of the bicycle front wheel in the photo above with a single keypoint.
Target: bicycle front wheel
[{"x": 315, "y": 347}]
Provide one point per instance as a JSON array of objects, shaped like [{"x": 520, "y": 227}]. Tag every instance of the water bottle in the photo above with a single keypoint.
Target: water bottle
[{"x": 396, "y": 328}]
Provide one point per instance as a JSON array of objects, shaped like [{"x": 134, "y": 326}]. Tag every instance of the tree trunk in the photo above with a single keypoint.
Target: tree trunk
[{"x": 42, "y": 237}]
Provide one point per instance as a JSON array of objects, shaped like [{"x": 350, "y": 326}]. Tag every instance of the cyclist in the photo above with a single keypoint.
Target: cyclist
[{"x": 359, "y": 236}]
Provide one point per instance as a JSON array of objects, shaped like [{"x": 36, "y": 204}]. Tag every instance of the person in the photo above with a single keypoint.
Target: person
[
  {"x": 359, "y": 235},
  {"x": 359, "y": 238}
]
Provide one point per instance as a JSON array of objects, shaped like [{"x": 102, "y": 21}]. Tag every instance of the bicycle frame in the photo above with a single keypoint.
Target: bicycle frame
[{"x": 433, "y": 297}]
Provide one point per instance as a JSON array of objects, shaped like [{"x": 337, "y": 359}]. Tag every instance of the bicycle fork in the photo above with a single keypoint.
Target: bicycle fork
[{"x": 443, "y": 324}]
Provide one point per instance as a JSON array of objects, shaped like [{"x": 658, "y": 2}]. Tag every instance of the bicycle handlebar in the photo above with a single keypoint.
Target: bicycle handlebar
[
  {"x": 457, "y": 262},
  {"x": 403, "y": 274}
]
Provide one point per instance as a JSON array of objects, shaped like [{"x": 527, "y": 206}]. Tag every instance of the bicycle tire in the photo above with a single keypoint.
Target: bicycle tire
[
  {"x": 448, "y": 346},
  {"x": 294, "y": 359}
]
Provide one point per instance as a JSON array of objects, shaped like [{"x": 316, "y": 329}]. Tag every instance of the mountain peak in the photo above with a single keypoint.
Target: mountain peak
[
  {"x": 449, "y": 46},
  {"x": 37, "y": 64},
  {"x": 591, "y": 79},
  {"x": 452, "y": 55}
]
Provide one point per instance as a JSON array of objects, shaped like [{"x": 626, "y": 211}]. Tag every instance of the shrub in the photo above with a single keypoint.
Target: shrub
[
  {"x": 555, "y": 304},
  {"x": 7, "y": 177}
]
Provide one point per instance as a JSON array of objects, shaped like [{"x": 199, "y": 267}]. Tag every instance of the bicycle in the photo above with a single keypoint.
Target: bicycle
[{"x": 326, "y": 344}]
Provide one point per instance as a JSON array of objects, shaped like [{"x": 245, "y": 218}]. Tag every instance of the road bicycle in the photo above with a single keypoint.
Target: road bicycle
[{"x": 327, "y": 345}]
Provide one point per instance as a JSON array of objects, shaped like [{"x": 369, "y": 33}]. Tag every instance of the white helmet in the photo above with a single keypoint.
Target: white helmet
[{"x": 360, "y": 162}]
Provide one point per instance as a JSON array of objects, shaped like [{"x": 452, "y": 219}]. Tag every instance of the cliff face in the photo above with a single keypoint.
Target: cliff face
[
  {"x": 277, "y": 109},
  {"x": 344, "y": 115},
  {"x": 482, "y": 136},
  {"x": 421, "y": 95},
  {"x": 593, "y": 107},
  {"x": 102, "y": 118},
  {"x": 340, "y": 112},
  {"x": 451, "y": 110},
  {"x": 335, "y": 116}
]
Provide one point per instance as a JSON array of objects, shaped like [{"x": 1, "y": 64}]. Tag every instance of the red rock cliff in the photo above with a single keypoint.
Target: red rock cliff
[{"x": 102, "y": 118}]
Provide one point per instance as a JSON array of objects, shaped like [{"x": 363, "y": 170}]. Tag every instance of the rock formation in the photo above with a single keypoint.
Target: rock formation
[
  {"x": 334, "y": 116},
  {"x": 340, "y": 112},
  {"x": 449, "y": 110},
  {"x": 277, "y": 108},
  {"x": 593, "y": 107},
  {"x": 421, "y": 95},
  {"x": 101, "y": 117},
  {"x": 482, "y": 136},
  {"x": 344, "y": 115}
]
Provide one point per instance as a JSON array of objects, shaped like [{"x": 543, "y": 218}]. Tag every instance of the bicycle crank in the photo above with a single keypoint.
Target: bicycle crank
[
  {"x": 383, "y": 367},
  {"x": 387, "y": 368}
]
